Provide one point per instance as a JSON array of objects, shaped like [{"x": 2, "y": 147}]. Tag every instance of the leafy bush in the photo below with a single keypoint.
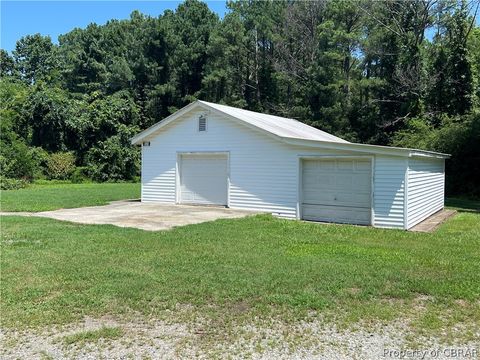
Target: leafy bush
[
  {"x": 12, "y": 184},
  {"x": 115, "y": 158},
  {"x": 16, "y": 160},
  {"x": 40, "y": 158},
  {"x": 458, "y": 136},
  {"x": 60, "y": 165},
  {"x": 80, "y": 175}
]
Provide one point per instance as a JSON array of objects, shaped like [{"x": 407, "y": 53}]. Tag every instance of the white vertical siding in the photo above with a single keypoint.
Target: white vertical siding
[
  {"x": 263, "y": 170},
  {"x": 389, "y": 191},
  {"x": 426, "y": 188}
]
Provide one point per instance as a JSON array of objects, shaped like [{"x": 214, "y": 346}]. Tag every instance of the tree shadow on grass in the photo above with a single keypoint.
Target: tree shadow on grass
[{"x": 463, "y": 205}]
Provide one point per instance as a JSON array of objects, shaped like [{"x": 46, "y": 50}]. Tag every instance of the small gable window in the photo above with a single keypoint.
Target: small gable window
[{"x": 202, "y": 123}]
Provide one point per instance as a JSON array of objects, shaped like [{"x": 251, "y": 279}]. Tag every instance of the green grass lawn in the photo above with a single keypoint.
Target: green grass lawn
[
  {"x": 58, "y": 196},
  {"x": 57, "y": 272},
  {"x": 90, "y": 336}
]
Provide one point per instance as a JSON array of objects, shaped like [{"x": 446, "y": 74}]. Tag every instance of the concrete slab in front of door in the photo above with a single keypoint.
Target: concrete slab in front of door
[{"x": 145, "y": 216}]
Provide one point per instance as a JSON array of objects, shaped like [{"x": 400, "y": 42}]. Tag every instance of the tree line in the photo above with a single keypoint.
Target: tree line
[{"x": 401, "y": 73}]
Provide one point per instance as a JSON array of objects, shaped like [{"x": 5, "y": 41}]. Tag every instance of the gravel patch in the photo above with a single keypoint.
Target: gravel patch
[
  {"x": 259, "y": 339},
  {"x": 141, "y": 339}
]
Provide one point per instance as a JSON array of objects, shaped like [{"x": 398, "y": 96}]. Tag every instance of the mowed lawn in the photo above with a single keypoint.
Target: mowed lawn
[
  {"x": 57, "y": 272},
  {"x": 62, "y": 196}
]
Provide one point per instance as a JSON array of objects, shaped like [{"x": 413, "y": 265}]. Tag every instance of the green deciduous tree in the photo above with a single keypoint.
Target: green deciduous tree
[{"x": 382, "y": 72}]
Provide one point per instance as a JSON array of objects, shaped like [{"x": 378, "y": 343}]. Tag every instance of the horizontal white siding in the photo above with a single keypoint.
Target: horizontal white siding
[
  {"x": 426, "y": 188},
  {"x": 264, "y": 171},
  {"x": 389, "y": 191}
]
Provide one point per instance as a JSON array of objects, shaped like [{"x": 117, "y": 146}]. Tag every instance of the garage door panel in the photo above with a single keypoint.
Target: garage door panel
[
  {"x": 326, "y": 165},
  {"x": 363, "y": 182},
  {"x": 363, "y": 165},
  {"x": 339, "y": 214},
  {"x": 343, "y": 182},
  {"x": 328, "y": 180},
  {"x": 203, "y": 166},
  {"x": 203, "y": 179},
  {"x": 335, "y": 199},
  {"x": 337, "y": 190},
  {"x": 363, "y": 199},
  {"x": 345, "y": 165},
  {"x": 352, "y": 199},
  {"x": 314, "y": 197}
]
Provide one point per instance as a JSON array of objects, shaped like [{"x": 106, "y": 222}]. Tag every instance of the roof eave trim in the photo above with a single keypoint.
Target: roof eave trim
[
  {"x": 429, "y": 154},
  {"x": 365, "y": 148}
]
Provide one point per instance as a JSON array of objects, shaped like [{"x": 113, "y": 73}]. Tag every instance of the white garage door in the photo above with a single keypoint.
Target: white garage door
[
  {"x": 337, "y": 190},
  {"x": 203, "y": 179}
]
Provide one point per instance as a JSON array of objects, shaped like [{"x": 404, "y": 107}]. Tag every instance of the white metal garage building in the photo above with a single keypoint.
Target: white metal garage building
[{"x": 207, "y": 153}]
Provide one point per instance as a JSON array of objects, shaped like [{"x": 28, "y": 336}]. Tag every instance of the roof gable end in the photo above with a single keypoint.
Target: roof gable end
[
  {"x": 283, "y": 129},
  {"x": 271, "y": 124}
]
